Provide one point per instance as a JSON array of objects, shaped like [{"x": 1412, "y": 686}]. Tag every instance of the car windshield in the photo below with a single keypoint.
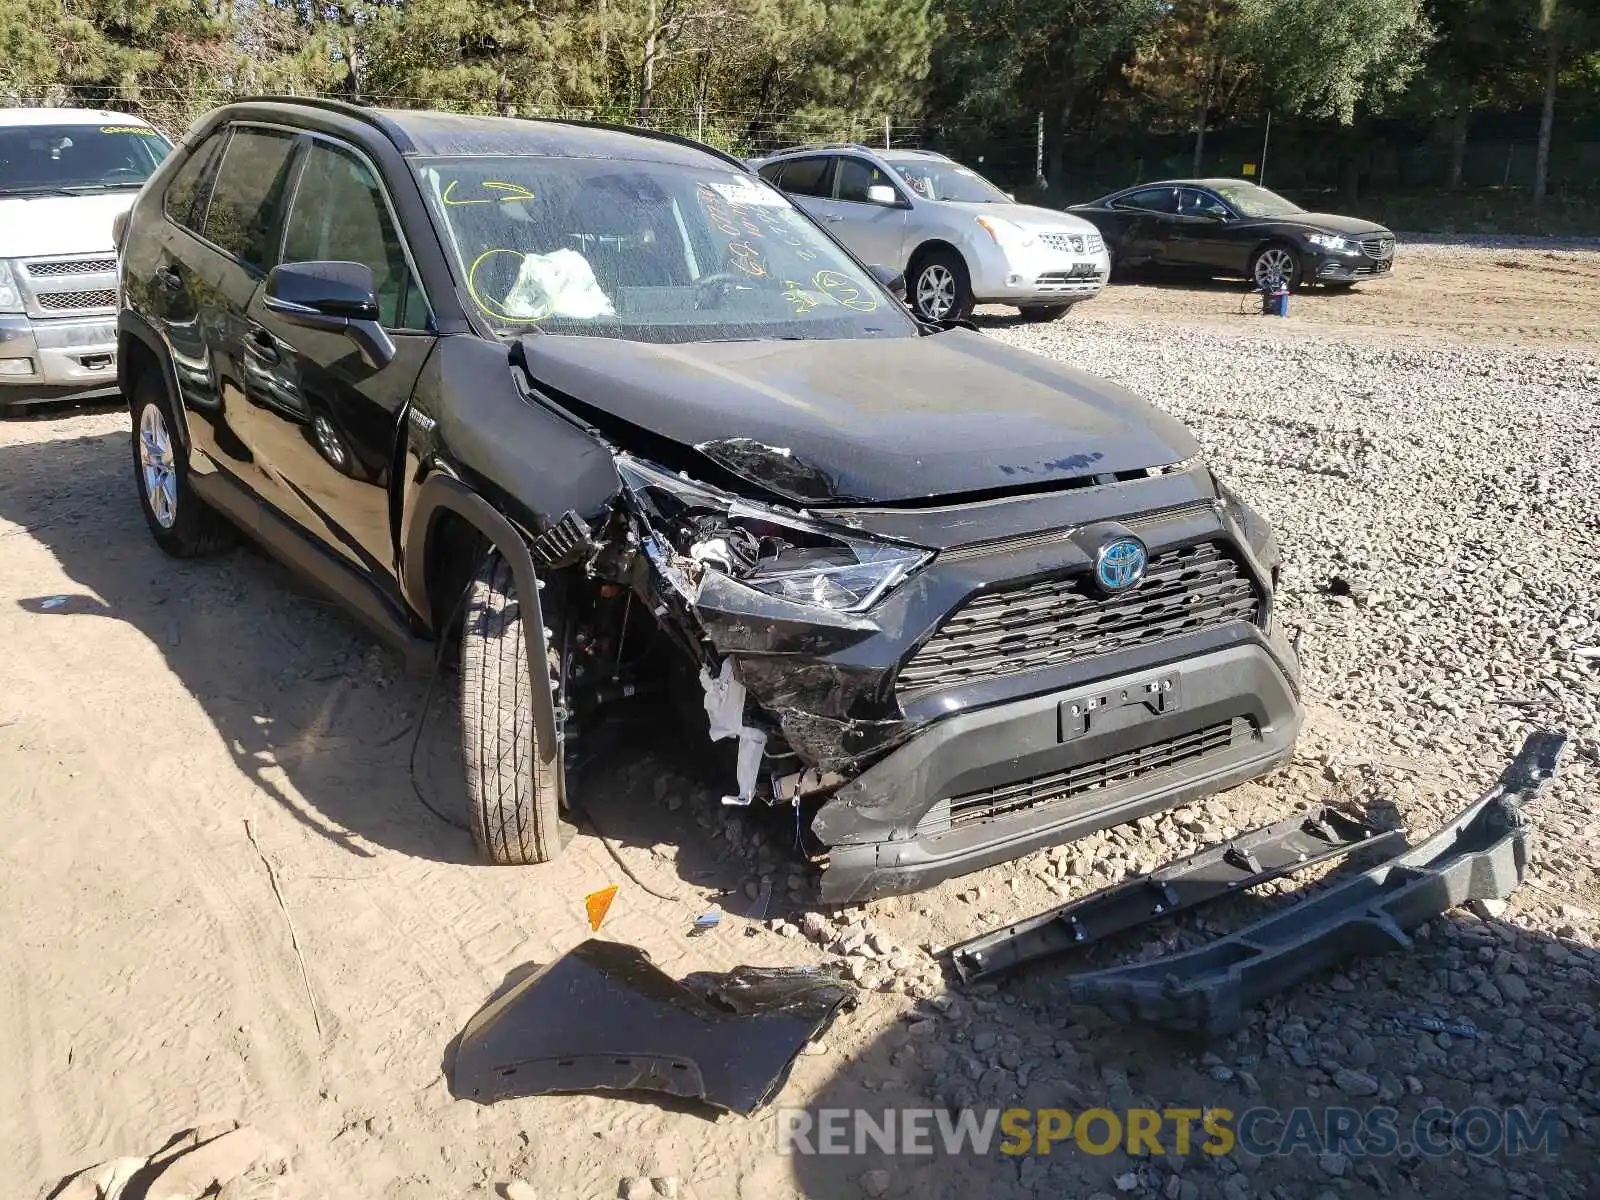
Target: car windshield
[
  {"x": 1248, "y": 200},
  {"x": 647, "y": 251},
  {"x": 38, "y": 159},
  {"x": 948, "y": 181}
]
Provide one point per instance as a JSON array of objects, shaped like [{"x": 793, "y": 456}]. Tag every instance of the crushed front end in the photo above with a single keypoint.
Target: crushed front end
[{"x": 943, "y": 688}]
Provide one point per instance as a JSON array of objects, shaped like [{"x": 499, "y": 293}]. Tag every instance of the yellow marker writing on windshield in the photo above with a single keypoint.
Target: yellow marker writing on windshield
[{"x": 515, "y": 192}]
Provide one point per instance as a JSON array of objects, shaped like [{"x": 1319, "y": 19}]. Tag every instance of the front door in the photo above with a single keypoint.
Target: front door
[
  {"x": 328, "y": 422},
  {"x": 874, "y": 232}
]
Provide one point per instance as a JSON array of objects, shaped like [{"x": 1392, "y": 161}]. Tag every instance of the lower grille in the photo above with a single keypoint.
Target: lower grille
[
  {"x": 1106, "y": 773},
  {"x": 79, "y": 266},
  {"x": 1058, "y": 621},
  {"x": 72, "y": 301},
  {"x": 1378, "y": 247}
]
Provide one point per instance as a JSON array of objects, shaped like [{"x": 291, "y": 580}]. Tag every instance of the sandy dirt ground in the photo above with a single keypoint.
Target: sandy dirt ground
[
  {"x": 1518, "y": 295},
  {"x": 174, "y": 735}
]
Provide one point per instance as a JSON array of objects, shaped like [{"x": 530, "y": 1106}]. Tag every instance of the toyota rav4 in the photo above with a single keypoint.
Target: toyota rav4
[{"x": 606, "y": 411}]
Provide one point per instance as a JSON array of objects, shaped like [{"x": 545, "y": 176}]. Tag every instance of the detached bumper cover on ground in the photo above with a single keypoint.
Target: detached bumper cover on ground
[
  {"x": 1481, "y": 855},
  {"x": 605, "y": 1018}
]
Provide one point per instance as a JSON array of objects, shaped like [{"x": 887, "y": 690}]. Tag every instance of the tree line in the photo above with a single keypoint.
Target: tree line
[{"x": 750, "y": 73}]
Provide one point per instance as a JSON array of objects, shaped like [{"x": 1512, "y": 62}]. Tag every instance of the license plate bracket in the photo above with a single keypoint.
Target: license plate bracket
[{"x": 1160, "y": 694}]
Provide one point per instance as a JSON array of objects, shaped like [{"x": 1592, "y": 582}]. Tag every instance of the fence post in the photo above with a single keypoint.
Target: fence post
[
  {"x": 1038, "y": 150},
  {"x": 1511, "y": 151},
  {"x": 886, "y": 131},
  {"x": 699, "y": 122}
]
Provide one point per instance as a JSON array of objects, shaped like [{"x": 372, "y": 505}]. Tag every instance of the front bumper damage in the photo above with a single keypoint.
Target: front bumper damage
[
  {"x": 1481, "y": 855},
  {"x": 910, "y": 786}
]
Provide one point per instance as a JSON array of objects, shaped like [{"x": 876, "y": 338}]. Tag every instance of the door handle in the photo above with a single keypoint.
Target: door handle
[
  {"x": 261, "y": 347},
  {"x": 833, "y": 217},
  {"x": 170, "y": 277}
]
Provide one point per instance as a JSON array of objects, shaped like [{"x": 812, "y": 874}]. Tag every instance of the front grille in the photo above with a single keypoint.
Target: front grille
[
  {"x": 80, "y": 266},
  {"x": 71, "y": 301},
  {"x": 1105, "y": 773},
  {"x": 1378, "y": 247},
  {"x": 1082, "y": 278},
  {"x": 1074, "y": 243},
  {"x": 1020, "y": 629}
]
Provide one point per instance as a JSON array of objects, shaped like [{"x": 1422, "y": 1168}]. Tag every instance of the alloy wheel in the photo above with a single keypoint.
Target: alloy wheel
[
  {"x": 159, "y": 466},
  {"x": 328, "y": 441},
  {"x": 936, "y": 291},
  {"x": 1274, "y": 261}
]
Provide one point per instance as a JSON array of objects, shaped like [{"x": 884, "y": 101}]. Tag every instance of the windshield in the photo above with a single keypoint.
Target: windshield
[
  {"x": 948, "y": 181},
  {"x": 1248, "y": 200},
  {"x": 77, "y": 158},
  {"x": 647, "y": 251}
]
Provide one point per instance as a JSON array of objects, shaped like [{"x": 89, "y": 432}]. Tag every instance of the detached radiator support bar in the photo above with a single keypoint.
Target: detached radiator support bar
[
  {"x": 1481, "y": 855},
  {"x": 1251, "y": 858}
]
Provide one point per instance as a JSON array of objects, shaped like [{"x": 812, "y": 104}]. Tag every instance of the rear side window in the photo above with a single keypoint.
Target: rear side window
[
  {"x": 248, "y": 197},
  {"x": 856, "y": 176},
  {"x": 806, "y": 176},
  {"x": 1161, "y": 200},
  {"x": 186, "y": 197}
]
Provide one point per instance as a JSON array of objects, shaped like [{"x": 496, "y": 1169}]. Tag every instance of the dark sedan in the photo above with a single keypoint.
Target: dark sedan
[{"x": 1233, "y": 227}]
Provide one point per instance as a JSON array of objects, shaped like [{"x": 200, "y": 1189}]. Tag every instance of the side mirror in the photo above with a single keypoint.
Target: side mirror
[
  {"x": 1009, "y": 195},
  {"x": 894, "y": 281},
  {"x": 882, "y": 193},
  {"x": 338, "y": 297},
  {"x": 119, "y": 230}
]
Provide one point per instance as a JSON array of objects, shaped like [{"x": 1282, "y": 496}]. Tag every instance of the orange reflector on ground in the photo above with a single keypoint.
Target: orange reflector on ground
[{"x": 597, "y": 904}]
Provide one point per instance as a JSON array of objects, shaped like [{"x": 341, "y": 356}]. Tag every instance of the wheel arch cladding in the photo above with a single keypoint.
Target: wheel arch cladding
[
  {"x": 440, "y": 494},
  {"x": 140, "y": 349},
  {"x": 929, "y": 247}
]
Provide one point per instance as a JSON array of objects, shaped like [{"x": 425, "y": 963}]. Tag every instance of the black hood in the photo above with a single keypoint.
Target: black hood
[
  {"x": 875, "y": 421},
  {"x": 1331, "y": 223}
]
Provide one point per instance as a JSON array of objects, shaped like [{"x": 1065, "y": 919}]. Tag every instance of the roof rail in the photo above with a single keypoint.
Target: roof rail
[
  {"x": 357, "y": 110},
  {"x": 817, "y": 146}
]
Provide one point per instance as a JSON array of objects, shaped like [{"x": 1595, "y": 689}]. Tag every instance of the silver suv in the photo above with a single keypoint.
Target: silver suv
[{"x": 960, "y": 240}]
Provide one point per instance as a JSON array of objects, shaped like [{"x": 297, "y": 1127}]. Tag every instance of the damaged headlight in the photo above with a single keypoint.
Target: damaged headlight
[{"x": 781, "y": 554}]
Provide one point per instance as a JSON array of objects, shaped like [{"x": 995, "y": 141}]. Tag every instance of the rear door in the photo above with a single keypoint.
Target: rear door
[
  {"x": 1148, "y": 218},
  {"x": 328, "y": 423},
  {"x": 808, "y": 181}
]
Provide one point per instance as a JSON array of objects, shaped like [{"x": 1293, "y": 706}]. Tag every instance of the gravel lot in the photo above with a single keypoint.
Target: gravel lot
[{"x": 1451, "y": 487}]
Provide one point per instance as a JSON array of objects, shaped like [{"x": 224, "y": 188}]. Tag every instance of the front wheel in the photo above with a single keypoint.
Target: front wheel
[
  {"x": 1275, "y": 260},
  {"x": 513, "y": 796},
  {"x": 1039, "y": 313},
  {"x": 940, "y": 288}
]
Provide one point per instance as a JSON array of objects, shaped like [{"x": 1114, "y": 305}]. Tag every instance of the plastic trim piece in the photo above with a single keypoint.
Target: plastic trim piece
[
  {"x": 1251, "y": 858},
  {"x": 1481, "y": 855}
]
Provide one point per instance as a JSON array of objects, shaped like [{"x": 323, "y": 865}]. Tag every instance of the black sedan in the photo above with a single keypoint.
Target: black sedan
[{"x": 1233, "y": 227}]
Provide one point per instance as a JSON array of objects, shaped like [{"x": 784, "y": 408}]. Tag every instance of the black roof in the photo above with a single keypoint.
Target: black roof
[{"x": 430, "y": 133}]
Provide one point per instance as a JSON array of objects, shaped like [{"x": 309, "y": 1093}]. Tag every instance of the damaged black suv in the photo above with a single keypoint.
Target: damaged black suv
[{"x": 613, "y": 412}]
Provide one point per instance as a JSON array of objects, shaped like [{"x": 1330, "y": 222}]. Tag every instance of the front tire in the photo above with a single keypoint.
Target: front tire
[
  {"x": 1276, "y": 258},
  {"x": 940, "y": 289},
  {"x": 181, "y": 523},
  {"x": 513, "y": 797}
]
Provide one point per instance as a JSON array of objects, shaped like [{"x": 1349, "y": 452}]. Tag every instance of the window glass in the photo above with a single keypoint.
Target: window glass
[
  {"x": 806, "y": 176},
  {"x": 1252, "y": 201},
  {"x": 935, "y": 180},
  {"x": 185, "y": 200},
  {"x": 1161, "y": 200},
  {"x": 77, "y": 159},
  {"x": 1192, "y": 203},
  {"x": 856, "y": 176},
  {"x": 248, "y": 196},
  {"x": 338, "y": 213}
]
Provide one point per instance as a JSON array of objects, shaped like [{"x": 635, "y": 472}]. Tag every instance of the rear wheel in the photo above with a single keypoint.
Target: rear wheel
[
  {"x": 514, "y": 798},
  {"x": 940, "y": 288},
  {"x": 1045, "y": 312},
  {"x": 182, "y": 524}
]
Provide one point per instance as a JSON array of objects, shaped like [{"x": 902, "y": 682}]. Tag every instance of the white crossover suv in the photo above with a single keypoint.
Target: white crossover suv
[{"x": 960, "y": 240}]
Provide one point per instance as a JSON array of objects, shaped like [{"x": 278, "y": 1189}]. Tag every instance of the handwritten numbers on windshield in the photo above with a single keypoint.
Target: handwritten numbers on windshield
[
  {"x": 503, "y": 193},
  {"x": 796, "y": 295},
  {"x": 843, "y": 290}
]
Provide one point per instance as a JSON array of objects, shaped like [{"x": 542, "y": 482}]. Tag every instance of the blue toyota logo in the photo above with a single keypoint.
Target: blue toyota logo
[{"x": 1120, "y": 564}]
